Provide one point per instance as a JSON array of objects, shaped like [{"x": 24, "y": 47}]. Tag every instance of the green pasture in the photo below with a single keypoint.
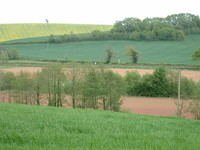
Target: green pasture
[
  {"x": 39, "y": 127},
  {"x": 168, "y": 52},
  {"x": 22, "y": 31}
]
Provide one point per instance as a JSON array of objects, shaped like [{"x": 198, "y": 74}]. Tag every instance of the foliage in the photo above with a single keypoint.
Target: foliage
[
  {"x": 196, "y": 54},
  {"x": 103, "y": 89},
  {"x": 23, "y": 88},
  {"x": 74, "y": 85},
  {"x": 87, "y": 88},
  {"x": 133, "y": 54},
  {"x": 8, "y": 54},
  {"x": 109, "y": 55},
  {"x": 194, "y": 106},
  {"x": 133, "y": 82},
  {"x": 173, "y": 27},
  {"x": 53, "y": 77},
  {"x": 160, "y": 84}
]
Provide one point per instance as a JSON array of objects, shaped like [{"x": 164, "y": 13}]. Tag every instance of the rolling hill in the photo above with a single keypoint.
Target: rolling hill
[
  {"x": 40, "y": 127},
  {"x": 168, "y": 52},
  {"x": 21, "y": 31}
]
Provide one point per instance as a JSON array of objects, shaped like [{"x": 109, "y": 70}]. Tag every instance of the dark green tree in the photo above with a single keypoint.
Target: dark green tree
[
  {"x": 109, "y": 55},
  {"x": 160, "y": 84},
  {"x": 53, "y": 77},
  {"x": 133, "y": 54},
  {"x": 132, "y": 80},
  {"x": 196, "y": 54}
]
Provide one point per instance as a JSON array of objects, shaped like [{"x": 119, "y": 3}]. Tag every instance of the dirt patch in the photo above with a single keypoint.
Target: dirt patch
[
  {"x": 17, "y": 70},
  {"x": 194, "y": 75},
  {"x": 153, "y": 106}
]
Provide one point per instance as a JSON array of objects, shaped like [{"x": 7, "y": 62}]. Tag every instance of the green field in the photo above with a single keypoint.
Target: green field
[
  {"x": 22, "y": 31},
  {"x": 40, "y": 127},
  {"x": 169, "y": 52}
]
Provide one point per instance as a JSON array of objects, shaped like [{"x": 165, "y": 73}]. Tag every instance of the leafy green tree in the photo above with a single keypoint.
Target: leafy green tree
[
  {"x": 91, "y": 89},
  {"x": 74, "y": 84},
  {"x": 15, "y": 54},
  {"x": 4, "y": 56},
  {"x": 111, "y": 89},
  {"x": 23, "y": 88},
  {"x": 37, "y": 86},
  {"x": 132, "y": 80},
  {"x": 196, "y": 54},
  {"x": 8, "y": 81},
  {"x": 54, "y": 77},
  {"x": 116, "y": 88},
  {"x": 160, "y": 84},
  {"x": 109, "y": 55},
  {"x": 145, "y": 86},
  {"x": 132, "y": 53},
  {"x": 194, "y": 106},
  {"x": 51, "y": 39}
]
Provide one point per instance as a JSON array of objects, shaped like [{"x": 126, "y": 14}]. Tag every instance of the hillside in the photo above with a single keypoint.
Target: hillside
[
  {"x": 39, "y": 127},
  {"x": 21, "y": 31},
  {"x": 169, "y": 52}
]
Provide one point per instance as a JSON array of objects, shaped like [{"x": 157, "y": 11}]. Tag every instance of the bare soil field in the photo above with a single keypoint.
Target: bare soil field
[
  {"x": 153, "y": 106},
  {"x": 194, "y": 75}
]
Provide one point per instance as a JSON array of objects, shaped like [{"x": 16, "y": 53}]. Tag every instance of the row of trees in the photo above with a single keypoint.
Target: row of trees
[
  {"x": 162, "y": 83},
  {"x": 88, "y": 88},
  {"x": 165, "y": 83},
  {"x": 166, "y": 33},
  {"x": 173, "y": 27},
  {"x": 8, "y": 54},
  {"x": 93, "y": 88},
  {"x": 131, "y": 51}
]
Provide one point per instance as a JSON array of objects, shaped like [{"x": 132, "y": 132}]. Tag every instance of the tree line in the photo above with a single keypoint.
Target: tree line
[
  {"x": 8, "y": 54},
  {"x": 88, "y": 88},
  {"x": 172, "y": 27},
  {"x": 94, "y": 88}
]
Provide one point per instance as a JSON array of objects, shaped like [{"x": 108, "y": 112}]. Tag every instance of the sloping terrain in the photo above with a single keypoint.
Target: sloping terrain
[
  {"x": 40, "y": 127},
  {"x": 21, "y": 31}
]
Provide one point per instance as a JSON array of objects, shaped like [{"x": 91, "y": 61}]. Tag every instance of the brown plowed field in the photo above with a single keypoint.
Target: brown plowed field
[
  {"x": 140, "y": 105},
  {"x": 194, "y": 75},
  {"x": 153, "y": 106}
]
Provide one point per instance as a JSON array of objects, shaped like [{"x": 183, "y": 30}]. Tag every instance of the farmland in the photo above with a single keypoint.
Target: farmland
[
  {"x": 39, "y": 127},
  {"x": 168, "y": 52},
  {"x": 194, "y": 75},
  {"x": 23, "y": 31}
]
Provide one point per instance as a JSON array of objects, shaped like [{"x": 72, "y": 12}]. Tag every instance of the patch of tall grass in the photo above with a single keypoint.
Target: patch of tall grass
[{"x": 39, "y": 127}]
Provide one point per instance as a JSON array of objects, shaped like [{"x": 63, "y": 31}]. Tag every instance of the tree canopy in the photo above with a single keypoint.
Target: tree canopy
[
  {"x": 196, "y": 54},
  {"x": 173, "y": 27}
]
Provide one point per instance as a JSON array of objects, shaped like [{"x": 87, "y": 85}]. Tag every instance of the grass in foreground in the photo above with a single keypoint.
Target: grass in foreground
[{"x": 39, "y": 127}]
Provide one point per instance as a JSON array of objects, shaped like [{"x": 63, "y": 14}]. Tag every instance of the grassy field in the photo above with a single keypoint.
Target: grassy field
[
  {"x": 39, "y": 127},
  {"x": 22, "y": 31},
  {"x": 169, "y": 52}
]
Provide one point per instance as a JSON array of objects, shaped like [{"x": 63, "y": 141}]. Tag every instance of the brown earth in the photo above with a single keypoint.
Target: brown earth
[
  {"x": 139, "y": 105},
  {"x": 194, "y": 75},
  {"x": 153, "y": 106}
]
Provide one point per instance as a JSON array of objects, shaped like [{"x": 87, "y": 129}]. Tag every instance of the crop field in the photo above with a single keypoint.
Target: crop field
[
  {"x": 22, "y": 31},
  {"x": 39, "y": 127},
  {"x": 169, "y": 52}
]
